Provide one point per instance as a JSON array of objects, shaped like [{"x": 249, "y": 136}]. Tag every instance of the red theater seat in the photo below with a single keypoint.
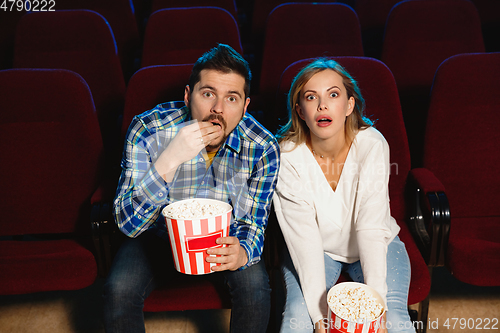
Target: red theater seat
[
  {"x": 8, "y": 23},
  {"x": 151, "y": 86},
  {"x": 182, "y": 35},
  {"x": 52, "y": 159},
  {"x": 372, "y": 17},
  {"x": 461, "y": 149},
  {"x": 81, "y": 41},
  {"x": 260, "y": 13},
  {"x": 419, "y": 35},
  {"x": 334, "y": 31},
  {"x": 121, "y": 18},
  {"x": 229, "y": 5}
]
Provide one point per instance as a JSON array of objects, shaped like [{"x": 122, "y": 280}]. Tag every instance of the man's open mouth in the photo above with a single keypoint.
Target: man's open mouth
[{"x": 215, "y": 123}]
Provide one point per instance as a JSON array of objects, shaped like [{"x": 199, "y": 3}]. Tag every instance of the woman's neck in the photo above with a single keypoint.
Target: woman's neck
[{"x": 330, "y": 148}]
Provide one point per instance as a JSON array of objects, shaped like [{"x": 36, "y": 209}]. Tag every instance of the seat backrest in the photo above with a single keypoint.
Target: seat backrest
[
  {"x": 420, "y": 34},
  {"x": 262, "y": 9},
  {"x": 229, "y": 5},
  {"x": 372, "y": 17},
  {"x": 8, "y": 23},
  {"x": 382, "y": 106},
  {"x": 334, "y": 31},
  {"x": 151, "y": 86},
  {"x": 80, "y": 41},
  {"x": 373, "y": 14},
  {"x": 462, "y": 138},
  {"x": 51, "y": 151},
  {"x": 121, "y": 18},
  {"x": 182, "y": 35}
]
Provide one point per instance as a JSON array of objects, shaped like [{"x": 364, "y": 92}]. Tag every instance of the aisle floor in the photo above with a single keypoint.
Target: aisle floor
[{"x": 80, "y": 311}]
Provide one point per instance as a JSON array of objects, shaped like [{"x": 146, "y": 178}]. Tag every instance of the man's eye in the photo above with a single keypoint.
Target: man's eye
[
  {"x": 231, "y": 99},
  {"x": 207, "y": 94}
]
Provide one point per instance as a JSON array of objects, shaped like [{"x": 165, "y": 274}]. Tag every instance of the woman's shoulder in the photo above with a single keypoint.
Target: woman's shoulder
[
  {"x": 290, "y": 149},
  {"x": 370, "y": 142},
  {"x": 370, "y": 136},
  {"x": 293, "y": 156}
]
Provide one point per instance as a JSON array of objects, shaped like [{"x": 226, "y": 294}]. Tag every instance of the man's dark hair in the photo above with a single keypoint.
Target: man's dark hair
[{"x": 225, "y": 59}]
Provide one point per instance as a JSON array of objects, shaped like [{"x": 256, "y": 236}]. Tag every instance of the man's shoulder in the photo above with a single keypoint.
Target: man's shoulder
[
  {"x": 158, "y": 118},
  {"x": 164, "y": 115},
  {"x": 251, "y": 130}
]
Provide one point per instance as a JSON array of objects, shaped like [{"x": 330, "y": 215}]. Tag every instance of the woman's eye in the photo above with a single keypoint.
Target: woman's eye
[
  {"x": 310, "y": 97},
  {"x": 334, "y": 94}
]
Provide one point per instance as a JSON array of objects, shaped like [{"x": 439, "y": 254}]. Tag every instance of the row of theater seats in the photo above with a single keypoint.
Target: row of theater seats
[
  {"x": 419, "y": 35},
  {"x": 53, "y": 170},
  {"x": 129, "y": 18}
]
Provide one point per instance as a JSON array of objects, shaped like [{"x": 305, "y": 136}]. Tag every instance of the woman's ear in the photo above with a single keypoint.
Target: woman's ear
[
  {"x": 300, "y": 113},
  {"x": 350, "y": 105}
]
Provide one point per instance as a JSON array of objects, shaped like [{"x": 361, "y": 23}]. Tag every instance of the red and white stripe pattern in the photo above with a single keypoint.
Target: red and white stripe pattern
[
  {"x": 338, "y": 324},
  {"x": 190, "y": 240}
]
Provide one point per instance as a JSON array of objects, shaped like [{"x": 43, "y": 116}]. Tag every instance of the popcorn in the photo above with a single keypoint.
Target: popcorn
[
  {"x": 193, "y": 209},
  {"x": 354, "y": 304}
]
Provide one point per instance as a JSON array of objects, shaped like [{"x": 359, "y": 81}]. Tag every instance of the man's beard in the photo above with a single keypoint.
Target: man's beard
[{"x": 222, "y": 121}]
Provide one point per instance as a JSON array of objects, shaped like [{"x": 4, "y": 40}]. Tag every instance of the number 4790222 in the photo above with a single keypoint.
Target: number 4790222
[
  {"x": 472, "y": 323},
  {"x": 28, "y": 5}
]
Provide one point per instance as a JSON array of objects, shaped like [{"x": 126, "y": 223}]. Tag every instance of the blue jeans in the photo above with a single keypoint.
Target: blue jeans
[
  {"x": 140, "y": 266},
  {"x": 296, "y": 316}
]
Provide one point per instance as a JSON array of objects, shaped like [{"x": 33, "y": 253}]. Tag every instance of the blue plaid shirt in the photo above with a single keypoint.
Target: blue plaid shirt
[{"x": 243, "y": 173}]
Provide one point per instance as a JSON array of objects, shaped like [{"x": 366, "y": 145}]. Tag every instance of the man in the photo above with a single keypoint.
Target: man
[{"x": 207, "y": 148}]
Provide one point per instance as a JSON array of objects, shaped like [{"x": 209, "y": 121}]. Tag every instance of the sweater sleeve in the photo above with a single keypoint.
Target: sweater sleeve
[
  {"x": 373, "y": 218},
  {"x": 297, "y": 219}
]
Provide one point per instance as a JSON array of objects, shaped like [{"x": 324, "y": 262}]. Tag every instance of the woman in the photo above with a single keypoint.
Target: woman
[{"x": 332, "y": 201}]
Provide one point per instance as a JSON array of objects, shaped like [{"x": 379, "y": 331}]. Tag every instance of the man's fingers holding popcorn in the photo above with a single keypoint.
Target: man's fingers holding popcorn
[
  {"x": 231, "y": 257},
  {"x": 209, "y": 132}
]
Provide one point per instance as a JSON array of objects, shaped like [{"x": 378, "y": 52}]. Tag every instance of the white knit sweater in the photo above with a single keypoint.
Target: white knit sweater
[{"x": 349, "y": 224}]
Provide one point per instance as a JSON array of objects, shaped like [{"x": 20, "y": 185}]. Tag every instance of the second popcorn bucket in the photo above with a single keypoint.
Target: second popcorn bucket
[
  {"x": 190, "y": 237},
  {"x": 338, "y": 322}
]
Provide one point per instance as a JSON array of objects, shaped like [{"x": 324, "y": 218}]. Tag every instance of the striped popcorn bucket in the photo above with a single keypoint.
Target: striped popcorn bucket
[
  {"x": 190, "y": 238},
  {"x": 338, "y": 324}
]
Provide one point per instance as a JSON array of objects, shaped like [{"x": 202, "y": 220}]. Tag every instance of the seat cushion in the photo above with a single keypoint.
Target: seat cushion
[
  {"x": 35, "y": 266},
  {"x": 188, "y": 292},
  {"x": 474, "y": 250}
]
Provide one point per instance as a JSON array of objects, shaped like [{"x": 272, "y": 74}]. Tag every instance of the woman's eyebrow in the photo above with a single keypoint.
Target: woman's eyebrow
[{"x": 332, "y": 88}]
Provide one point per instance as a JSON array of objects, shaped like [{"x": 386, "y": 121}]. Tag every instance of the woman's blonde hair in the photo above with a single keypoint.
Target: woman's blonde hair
[{"x": 296, "y": 129}]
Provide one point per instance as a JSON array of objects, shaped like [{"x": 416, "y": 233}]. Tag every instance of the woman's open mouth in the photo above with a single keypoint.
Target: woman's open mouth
[{"x": 323, "y": 121}]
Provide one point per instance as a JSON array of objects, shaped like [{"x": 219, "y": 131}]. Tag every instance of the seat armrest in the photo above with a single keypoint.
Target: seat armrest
[
  {"x": 429, "y": 219},
  {"x": 102, "y": 223},
  {"x": 426, "y": 180},
  {"x": 95, "y": 223}
]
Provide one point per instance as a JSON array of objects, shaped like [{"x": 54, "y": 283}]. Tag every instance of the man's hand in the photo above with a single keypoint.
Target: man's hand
[
  {"x": 185, "y": 146},
  {"x": 232, "y": 257}
]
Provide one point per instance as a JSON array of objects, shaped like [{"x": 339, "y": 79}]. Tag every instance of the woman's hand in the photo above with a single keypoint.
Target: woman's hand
[
  {"x": 319, "y": 326},
  {"x": 185, "y": 146},
  {"x": 383, "y": 326}
]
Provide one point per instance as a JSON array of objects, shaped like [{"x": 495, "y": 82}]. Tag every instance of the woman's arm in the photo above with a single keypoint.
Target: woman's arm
[
  {"x": 373, "y": 218},
  {"x": 296, "y": 215}
]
